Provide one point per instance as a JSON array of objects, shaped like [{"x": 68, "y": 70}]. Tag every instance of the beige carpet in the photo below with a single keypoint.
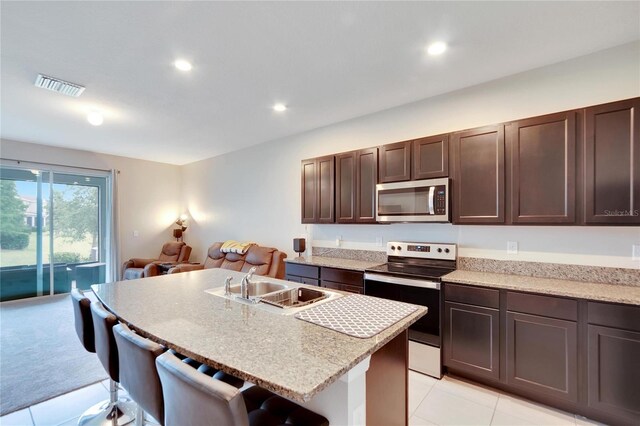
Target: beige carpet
[{"x": 40, "y": 354}]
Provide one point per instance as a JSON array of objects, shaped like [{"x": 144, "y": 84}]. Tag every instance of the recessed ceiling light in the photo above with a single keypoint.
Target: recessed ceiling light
[
  {"x": 95, "y": 118},
  {"x": 436, "y": 48},
  {"x": 279, "y": 107},
  {"x": 182, "y": 65}
]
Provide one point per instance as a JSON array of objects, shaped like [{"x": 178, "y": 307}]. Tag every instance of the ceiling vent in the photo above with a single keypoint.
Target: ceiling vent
[{"x": 60, "y": 86}]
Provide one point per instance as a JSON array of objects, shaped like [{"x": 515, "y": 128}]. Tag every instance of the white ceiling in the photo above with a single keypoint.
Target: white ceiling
[{"x": 327, "y": 61}]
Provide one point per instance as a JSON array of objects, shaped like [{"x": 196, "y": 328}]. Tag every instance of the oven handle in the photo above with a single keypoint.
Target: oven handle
[
  {"x": 402, "y": 281},
  {"x": 432, "y": 190}
]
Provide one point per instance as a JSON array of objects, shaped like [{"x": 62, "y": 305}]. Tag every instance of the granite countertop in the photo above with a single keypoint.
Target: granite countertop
[
  {"x": 334, "y": 262},
  {"x": 290, "y": 357},
  {"x": 615, "y": 293}
]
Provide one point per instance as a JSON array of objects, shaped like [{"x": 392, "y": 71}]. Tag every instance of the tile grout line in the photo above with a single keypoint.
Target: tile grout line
[{"x": 33, "y": 422}]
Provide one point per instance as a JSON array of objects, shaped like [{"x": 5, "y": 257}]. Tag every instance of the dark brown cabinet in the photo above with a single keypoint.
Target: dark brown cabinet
[
  {"x": 430, "y": 157},
  {"x": 471, "y": 331},
  {"x": 342, "y": 279},
  {"x": 612, "y": 163},
  {"x": 478, "y": 189},
  {"x": 356, "y": 178},
  {"x": 395, "y": 162},
  {"x": 305, "y": 274},
  {"x": 613, "y": 360},
  {"x": 318, "y": 183},
  {"x": 542, "y": 162}
]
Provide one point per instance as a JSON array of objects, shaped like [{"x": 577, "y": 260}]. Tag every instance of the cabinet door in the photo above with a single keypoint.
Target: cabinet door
[
  {"x": 614, "y": 372},
  {"x": 430, "y": 157},
  {"x": 479, "y": 169},
  {"x": 395, "y": 162},
  {"x": 326, "y": 189},
  {"x": 542, "y": 355},
  {"x": 309, "y": 191},
  {"x": 612, "y": 163},
  {"x": 472, "y": 339},
  {"x": 346, "y": 187},
  {"x": 367, "y": 177},
  {"x": 542, "y": 174}
]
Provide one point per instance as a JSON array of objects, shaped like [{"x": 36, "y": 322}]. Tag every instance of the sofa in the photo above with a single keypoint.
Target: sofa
[
  {"x": 172, "y": 252},
  {"x": 269, "y": 262}
]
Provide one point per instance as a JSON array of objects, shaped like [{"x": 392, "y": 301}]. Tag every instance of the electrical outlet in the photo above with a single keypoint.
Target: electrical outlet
[
  {"x": 136, "y": 234},
  {"x": 635, "y": 252},
  {"x": 379, "y": 241},
  {"x": 338, "y": 240},
  {"x": 512, "y": 247}
]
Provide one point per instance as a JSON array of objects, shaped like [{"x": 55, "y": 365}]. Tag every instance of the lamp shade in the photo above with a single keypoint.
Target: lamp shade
[{"x": 299, "y": 245}]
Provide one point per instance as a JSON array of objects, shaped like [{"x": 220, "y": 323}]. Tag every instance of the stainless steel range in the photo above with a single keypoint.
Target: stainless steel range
[{"x": 413, "y": 274}]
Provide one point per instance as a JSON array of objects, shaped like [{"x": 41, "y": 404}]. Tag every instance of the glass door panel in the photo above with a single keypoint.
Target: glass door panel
[{"x": 23, "y": 215}]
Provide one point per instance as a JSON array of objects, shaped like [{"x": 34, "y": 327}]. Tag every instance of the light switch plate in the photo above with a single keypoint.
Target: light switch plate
[
  {"x": 379, "y": 241},
  {"x": 512, "y": 247},
  {"x": 635, "y": 252}
]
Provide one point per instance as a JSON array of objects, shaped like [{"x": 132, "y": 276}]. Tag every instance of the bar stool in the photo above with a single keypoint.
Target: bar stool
[
  {"x": 116, "y": 411},
  {"x": 138, "y": 373},
  {"x": 210, "y": 371},
  {"x": 191, "y": 398}
]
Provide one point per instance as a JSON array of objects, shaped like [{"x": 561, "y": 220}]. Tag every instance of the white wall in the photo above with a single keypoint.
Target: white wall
[
  {"x": 149, "y": 192},
  {"x": 254, "y": 194}
]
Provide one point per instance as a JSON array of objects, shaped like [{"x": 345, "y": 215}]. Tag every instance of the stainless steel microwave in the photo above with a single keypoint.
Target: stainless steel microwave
[{"x": 414, "y": 201}]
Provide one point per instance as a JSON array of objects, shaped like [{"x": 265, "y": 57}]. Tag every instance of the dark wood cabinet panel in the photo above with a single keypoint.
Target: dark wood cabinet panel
[
  {"x": 614, "y": 372},
  {"x": 309, "y": 191},
  {"x": 318, "y": 190},
  {"x": 471, "y": 339},
  {"x": 395, "y": 162},
  {"x": 366, "y": 178},
  {"x": 542, "y": 355},
  {"x": 547, "y": 306},
  {"x": 479, "y": 175},
  {"x": 542, "y": 168},
  {"x": 489, "y": 298},
  {"x": 342, "y": 279},
  {"x": 430, "y": 157},
  {"x": 326, "y": 189},
  {"x": 346, "y": 187},
  {"x": 612, "y": 163},
  {"x": 342, "y": 287},
  {"x": 307, "y": 271}
]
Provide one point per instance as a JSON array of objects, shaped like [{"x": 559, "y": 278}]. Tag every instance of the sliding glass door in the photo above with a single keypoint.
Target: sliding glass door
[{"x": 52, "y": 231}]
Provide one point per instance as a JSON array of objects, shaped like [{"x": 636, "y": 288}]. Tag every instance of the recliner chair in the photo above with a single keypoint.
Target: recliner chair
[{"x": 172, "y": 252}]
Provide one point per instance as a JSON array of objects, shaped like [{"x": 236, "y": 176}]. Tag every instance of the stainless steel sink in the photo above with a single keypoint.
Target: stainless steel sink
[{"x": 259, "y": 288}]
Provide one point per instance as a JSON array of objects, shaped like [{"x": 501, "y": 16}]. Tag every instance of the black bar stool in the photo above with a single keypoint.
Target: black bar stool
[
  {"x": 116, "y": 411},
  {"x": 138, "y": 373},
  {"x": 191, "y": 398}
]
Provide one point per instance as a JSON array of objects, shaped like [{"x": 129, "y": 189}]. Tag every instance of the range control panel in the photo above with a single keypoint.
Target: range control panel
[
  {"x": 422, "y": 250},
  {"x": 440, "y": 200}
]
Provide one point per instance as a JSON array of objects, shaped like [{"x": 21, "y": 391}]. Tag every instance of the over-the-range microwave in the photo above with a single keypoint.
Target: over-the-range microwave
[{"x": 415, "y": 201}]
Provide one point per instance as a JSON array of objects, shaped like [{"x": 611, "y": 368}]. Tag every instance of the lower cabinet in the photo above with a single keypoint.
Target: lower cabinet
[
  {"x": 542, "y": 355},
  {"x": 577, "y": 355},
  {"x": 332, "y": 278},
  {"x": 471, "y": 339}
]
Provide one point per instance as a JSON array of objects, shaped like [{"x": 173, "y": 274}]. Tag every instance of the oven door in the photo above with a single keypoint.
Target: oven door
[{"x": 419, "y": 292}]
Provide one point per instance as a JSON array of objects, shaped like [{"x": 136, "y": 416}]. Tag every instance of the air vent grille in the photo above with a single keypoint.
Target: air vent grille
[{"x": 60, "y": 86}]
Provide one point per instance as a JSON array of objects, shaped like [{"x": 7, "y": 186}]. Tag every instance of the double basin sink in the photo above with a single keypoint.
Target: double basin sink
[{"x": 282, "y": 297}]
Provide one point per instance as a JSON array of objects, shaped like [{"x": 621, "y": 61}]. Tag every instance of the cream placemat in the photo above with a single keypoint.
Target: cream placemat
[{"x": 356, "y": 315}]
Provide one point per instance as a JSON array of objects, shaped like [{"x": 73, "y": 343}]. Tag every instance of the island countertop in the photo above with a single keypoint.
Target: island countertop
[{"x": 290, "y": 357}]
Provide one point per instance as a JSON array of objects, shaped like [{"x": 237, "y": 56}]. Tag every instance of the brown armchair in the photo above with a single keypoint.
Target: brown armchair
[
  {"x": 172, "y": 252},
  {"x": 269, "y": 262}
]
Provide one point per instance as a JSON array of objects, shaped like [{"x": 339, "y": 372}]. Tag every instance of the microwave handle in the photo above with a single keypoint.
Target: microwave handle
[{"x": 432, "y": 190}]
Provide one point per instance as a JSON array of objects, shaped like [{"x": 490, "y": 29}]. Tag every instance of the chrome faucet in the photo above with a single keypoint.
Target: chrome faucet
[
  {"x": 244, "y": 284},
  {"x": 227, "y": 286}
]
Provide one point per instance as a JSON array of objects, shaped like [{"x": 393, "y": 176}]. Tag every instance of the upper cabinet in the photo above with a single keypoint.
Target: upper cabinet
[
  {"x": 612, "y": 163},
  {"x": 318, "y": 182},
  {"x": 356, "y": 178},
  {"x": 478, "y": 175},
  {"x": 395, "y": 162},
  {"x": 542, "y": 169},
  {"x": 430, "y": 157}
]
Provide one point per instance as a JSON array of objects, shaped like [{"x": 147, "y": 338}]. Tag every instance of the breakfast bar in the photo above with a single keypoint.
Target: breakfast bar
[{"x": 341, "y": 377}]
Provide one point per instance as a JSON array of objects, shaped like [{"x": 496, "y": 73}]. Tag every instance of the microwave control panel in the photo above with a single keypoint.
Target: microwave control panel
[{"x": 440, "y": 200}]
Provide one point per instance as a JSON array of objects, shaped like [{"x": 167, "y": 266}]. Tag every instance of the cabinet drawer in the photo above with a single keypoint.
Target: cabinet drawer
[
  {"x": 472, "y": 295},
  {"x": 345, "y": 276},
  {"x": 619, "y": 316},
  {"x": 548, "y": 306},
  {"x": 309, "y": 281},
  {"x": 308, "y": 271},
  {"x": 342, "y": 287}
]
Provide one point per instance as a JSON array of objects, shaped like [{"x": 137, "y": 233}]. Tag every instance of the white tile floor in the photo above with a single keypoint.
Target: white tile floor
[{"x": 431, "y": 402}]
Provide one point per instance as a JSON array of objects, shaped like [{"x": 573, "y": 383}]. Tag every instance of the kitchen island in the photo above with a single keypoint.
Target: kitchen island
[{"x": 349, "y": 380}]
